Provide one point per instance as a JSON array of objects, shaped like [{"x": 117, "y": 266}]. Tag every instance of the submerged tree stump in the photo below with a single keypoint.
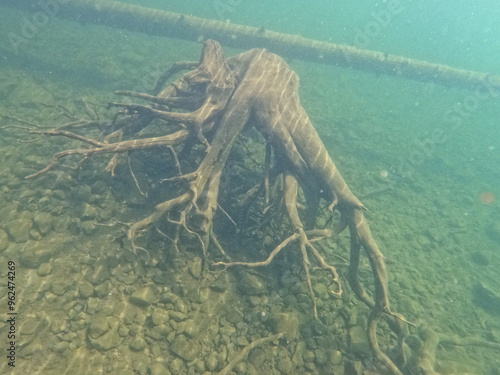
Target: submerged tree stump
[{"x": 214, "y": 102}]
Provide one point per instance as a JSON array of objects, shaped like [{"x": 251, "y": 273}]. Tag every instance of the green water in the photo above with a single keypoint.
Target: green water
[{"x": 86, "y": 304}]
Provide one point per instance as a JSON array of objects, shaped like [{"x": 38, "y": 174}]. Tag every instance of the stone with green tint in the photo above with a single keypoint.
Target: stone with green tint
[
  {"x": 33, "y": 256},
  {"x": 257, "y": 357},
  {"x": 86, "y": 289},
  {"x": 143, "y": 297},
  {"x": 19, "y": 229},
  {"x": 44, "y": 269},
  {"x": 138, "y": 344},
  {"x": 185, "y": 349},
  {"x": 286, "y": 322},
  {"x": 159, "y": 369},
  {"x": 110, "y": 338},
  {"x": 44, "y": 222}
]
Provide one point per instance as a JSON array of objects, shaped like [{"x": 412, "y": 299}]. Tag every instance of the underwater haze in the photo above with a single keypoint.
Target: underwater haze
[{"x": 79, "y": 296}]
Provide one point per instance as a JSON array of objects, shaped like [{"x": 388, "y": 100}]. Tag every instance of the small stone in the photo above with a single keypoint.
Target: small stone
[
  {"x": 176, "y": 366},
  {"x": 234, "y": 315},
  {"x": 159, "y": 369},
  {"x": 86, "y": 289},
  {"x": 191, "y": 327},
  {"x": 254, "y": 301},
  {"x": 252, "y": 285},
  {"x": 321, "y": 291},
  {"x": 44, "y": 269},
  {"x": 44, "y": 204},
  {"x": 220, "y": 284},
  {"x": 211, "y": 361},
  {"x": 88, "y": 212},
  {"x": 99, "y": 187},
  {"x": 336, "y": 357},
  {"x": 257, "y": 357},
  {"x": 177, "y": 316},
  {"x": 285, "y": 366},
  {"x": 59, "y": 194},
  {"x": 159, "y": 316},
  {"x": 138, "y": 344},
  {"x": 359, "y": 341},
  {"x": 98, "y": 326},
  {"x": 181, "y": 306},
  {"x": 109, "y": 339},
  {"x": 87, "y": 227},
  {"x": 61, "y": 223},
  {"x": 103, "y": 289},
  {"x": 184, "y": 349},
  {"x": 44, "y": 222},
  {"x": 195, "y": 267},
  {"x": 321, "y": 356},
  {"x": 143, "y": 297},
  {"x": 59, "y": 287},
  {"x": 287, "y": 322},
  {"x": 19, "y": 229},
  {"x": 308, "y": 356},
  {"x": 34, "y": 256}
]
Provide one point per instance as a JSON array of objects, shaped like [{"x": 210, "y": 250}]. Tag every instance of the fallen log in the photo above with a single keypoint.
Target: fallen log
[{"x": 159, "y": 22}]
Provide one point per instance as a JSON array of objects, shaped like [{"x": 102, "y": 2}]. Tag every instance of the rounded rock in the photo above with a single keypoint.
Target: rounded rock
[
  {"x": 44, "y": 269},
  {"x": 138, "y": 344},
  {"x": 86, "y": 289}
]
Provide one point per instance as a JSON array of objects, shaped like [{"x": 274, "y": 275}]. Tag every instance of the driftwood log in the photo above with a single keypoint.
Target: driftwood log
[
  {"x": 214, "y": 102},
  {"x": 158, "y": 22}
]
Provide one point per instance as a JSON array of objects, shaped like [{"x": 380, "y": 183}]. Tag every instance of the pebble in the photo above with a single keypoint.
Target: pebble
[
  {"x": 185, "y": 349},
  {"x": 103, "y": 289},
  {"x": 176, "y": 366},
  {"x": 19, "y": 229},
  {"x": 252, "y": 285},
  {"x": 359, "y": 341},
  {"x": 321, "y": 291},
  {"x": 257, "y": 357},
  {"x": 221, "y": 283},
  {"x": 234, "y": 315},
  {"x": 195, "y": 267},
  {"x": 58, "y": 287},
  {"x": 108, "y": 340},
  {"x": 86, "y": 289},
  {"x": 33, "y": 256},
  {"x": 159, "y": 316},
  {"x": 191, "y": 327},
  {"x": 88, "y": 227},
  {"x": 321, "y": 356},
  {"x": 143, "y": 297},
  {"x": 285, "y": 366},
  {"x": 61, "y": 223},
  {"x": 287, "y": 322},
  {"x": 159, "y": 369},
  {"x": 44, "y": 222},
  {"x": 44, "y": 269},
  {"x": 88, "y": 212},
  {"x": 138, "y": 344},
  {"x": 211, "y": 361},
  {"x": 336, "y": 357}
]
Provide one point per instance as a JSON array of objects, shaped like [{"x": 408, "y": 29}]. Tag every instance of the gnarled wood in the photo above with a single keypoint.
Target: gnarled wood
[{"x": 255, "y": 88}]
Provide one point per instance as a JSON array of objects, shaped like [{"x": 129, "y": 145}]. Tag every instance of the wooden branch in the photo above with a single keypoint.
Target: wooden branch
[{"x": 159, "y": 22}]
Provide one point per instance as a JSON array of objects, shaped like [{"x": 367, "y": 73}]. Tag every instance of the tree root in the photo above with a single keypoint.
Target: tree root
[{"x": 246, "y": 350}]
